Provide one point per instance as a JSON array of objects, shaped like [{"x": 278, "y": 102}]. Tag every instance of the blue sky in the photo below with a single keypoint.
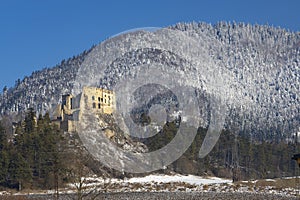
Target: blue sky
[{"x": 35, "y": 34}]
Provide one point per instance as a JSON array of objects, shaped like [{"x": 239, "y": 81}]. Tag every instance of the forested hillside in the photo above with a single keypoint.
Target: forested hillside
[
  {"x": 42, "y": 89},
  {"x": 263, "y": 63},
  {"x": 41, "y": 156}
]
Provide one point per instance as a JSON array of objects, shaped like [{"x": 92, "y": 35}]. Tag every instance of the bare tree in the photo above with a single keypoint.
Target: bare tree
[{"x": 79, "y": 175}]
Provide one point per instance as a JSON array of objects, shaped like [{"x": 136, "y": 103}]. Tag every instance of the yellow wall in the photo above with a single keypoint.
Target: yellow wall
[{"x": 100, "y": 100}]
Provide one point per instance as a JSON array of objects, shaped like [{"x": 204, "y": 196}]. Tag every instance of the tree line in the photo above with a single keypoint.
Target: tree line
[
  {"x": 235, "y": 155},
  {"x": 34, "y": 156},
  {"x": 238, "y": 157},
  {"x": 39, "y": 155}
]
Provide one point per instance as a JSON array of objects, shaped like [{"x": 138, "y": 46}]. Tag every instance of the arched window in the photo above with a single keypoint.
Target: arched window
[
  {"x": 94, "y": 105},
  {"x": 93, "y": 98}
]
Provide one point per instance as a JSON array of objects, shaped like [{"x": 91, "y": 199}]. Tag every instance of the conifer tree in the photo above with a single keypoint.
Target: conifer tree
[{"x": 4, "y": 156}]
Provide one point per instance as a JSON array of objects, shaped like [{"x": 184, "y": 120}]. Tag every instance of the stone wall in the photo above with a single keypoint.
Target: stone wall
[{"x": 100, "y": 100}]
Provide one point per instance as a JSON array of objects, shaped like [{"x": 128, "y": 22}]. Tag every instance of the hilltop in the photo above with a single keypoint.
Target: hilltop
[{"x": 262, "y": 61}]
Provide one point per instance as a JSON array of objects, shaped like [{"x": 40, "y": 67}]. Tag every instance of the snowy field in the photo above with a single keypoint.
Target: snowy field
[
  {"x": 190, "y": 179},
  {"x": 164, "y": 196},
  {"x": 171, "y": 187}
]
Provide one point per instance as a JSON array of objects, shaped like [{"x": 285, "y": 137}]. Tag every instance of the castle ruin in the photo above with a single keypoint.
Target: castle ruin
[{"x": 98, "y": 100}]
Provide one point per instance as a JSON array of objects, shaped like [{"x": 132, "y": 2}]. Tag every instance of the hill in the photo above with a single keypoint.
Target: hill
[{"x": 262, "y": 63}]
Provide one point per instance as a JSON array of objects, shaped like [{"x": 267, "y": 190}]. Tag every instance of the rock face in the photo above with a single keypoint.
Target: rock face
[
  {"x": 117, "y": 136},
  {"x": 262, "y": 64}
]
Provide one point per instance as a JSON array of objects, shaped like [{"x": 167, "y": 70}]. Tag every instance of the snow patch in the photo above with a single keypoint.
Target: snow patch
[{"x": 190, "y": 179}]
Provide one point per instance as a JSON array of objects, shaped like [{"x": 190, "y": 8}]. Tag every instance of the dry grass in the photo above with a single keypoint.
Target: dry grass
[
  {"x": 281, "y": 183},
  {"x": 275, "y": 183},
  {"x": 13, "y": 197},
  {"x": 280, "y": 186}
]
